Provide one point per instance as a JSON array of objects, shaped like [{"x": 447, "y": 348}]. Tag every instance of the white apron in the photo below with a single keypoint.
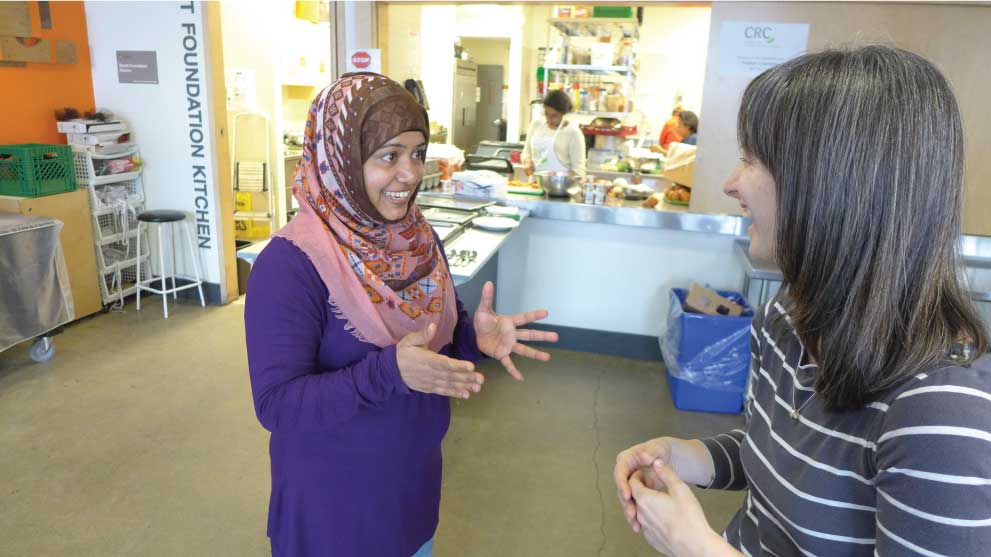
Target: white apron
[{"x": 544, "y": 157}]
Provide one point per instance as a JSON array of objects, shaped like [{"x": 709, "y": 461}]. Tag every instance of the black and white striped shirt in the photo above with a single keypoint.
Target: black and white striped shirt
[{"x": 909, "y": 474}]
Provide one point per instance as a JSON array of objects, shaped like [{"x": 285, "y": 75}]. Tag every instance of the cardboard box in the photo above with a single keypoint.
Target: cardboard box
[
  {"x": 19, "y": 49},
  {"x": 72, "y": 208},
  {"x": 703, "y": 300},
  {"x": 679, "y": 166}
]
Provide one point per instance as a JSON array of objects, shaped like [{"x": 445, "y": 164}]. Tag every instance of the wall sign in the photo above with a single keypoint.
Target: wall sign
[
  {"x": 364, "y": 60},
  {"x": 137, "y": 66},
  {"x": 747, "y": 48}
]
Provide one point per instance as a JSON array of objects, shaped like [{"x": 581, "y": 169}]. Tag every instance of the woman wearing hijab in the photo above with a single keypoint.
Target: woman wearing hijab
[{"x": 356, "y": 337}]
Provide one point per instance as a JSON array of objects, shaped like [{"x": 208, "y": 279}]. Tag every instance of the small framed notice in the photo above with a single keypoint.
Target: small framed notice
[
  {"x": 747, "y": 48},
  {"x": 137, "y": 66}
]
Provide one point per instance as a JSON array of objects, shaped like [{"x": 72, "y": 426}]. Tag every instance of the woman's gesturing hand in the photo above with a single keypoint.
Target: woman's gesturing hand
[
  {"x": 428, "y": 372},
  {"x": 498, "y": 336}
]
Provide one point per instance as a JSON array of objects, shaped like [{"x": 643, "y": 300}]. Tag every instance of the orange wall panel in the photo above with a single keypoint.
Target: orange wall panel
[{"x": 29, "y": 96}]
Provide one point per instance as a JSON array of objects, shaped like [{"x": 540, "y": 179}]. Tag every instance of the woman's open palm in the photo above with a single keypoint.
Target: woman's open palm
[{"x": 498, "y": 335}]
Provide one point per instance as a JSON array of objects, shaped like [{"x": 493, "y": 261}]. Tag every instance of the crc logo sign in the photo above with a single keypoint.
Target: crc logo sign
[
  {"x": 361, "y": 59},
  {"x": 759, "y": 32}
]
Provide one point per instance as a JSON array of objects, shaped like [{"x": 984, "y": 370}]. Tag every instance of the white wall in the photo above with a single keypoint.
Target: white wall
[
  {"x": 673, "y": 47},
  {"x": 489, "y": 51},
  {"x": 492, "y": 21},
  {"x": 606, "y": 277},
  {"x": 165, "y": 118},
  {"x": 535, "y": 32},
  {"x": 437, "y": 25},
  {"x": 292, "y": 62},
  {"x": 250, "y": 45},
  {"x": 418, "y": 41},
  {"x": 401, "y": 42}
]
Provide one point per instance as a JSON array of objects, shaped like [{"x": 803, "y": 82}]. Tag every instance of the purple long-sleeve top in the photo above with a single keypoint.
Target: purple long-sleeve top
[{"x": 356, "y": 455}]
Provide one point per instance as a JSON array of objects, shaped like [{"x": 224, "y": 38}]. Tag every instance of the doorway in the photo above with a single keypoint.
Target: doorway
[{"x": 492, "y": 57}]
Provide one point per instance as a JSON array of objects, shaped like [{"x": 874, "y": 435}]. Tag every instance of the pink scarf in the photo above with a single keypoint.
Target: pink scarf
[{"x": 386, "y": 279}]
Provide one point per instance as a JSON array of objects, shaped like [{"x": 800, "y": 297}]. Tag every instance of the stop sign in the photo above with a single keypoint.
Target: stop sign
[{"x": 361, "y": 59}]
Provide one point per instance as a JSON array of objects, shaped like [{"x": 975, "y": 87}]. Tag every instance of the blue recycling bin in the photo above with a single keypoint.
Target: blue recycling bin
[{"x": 707, "y": 357}]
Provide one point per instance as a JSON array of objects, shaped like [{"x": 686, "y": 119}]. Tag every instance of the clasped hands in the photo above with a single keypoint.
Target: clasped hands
[{"x": 650, "y": 484}]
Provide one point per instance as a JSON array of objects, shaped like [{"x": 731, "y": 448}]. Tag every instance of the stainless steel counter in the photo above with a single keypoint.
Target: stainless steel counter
[
  {"x": 623, "y": 213},
  {"x": 974, "y": 255},
  {"x": 485, "y": 243}
]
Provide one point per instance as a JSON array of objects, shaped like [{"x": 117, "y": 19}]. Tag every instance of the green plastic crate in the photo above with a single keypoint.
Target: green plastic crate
[
  {"x": 36, "y": 169},
  {"x": 612, "y": 11}
]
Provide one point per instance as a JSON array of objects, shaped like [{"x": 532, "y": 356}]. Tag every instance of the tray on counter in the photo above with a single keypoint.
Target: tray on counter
[
  {"x": 426, "y": 200},
  {"x": 451, "y": 216},
  {"x": 447, "y": 231}
]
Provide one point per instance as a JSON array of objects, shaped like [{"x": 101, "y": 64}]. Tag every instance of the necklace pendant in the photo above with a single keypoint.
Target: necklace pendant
[{"x": 794, "y": 413}]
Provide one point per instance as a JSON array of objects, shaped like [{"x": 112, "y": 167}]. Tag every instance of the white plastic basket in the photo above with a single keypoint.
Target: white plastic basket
[
  {"x": 119, "y": 280},
  {"x": 110, "y": 226},
  {"x": 112, "y": 254},
  {"x": 108, "y": 196},
  {"x": 83, "y": 162}
]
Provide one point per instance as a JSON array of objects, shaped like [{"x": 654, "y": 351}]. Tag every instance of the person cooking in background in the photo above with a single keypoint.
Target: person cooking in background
[
  {"x": 687, "y": 129},
  {"x": 553, "y": 144},
  {"x": 670, "y": 132}
]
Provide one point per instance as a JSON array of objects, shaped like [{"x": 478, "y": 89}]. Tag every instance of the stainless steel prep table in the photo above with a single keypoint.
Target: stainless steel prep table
[{"x": 35, "y": 297}]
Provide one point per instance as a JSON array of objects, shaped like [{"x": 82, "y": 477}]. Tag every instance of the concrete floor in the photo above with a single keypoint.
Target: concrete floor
[{"x": 139, "y": 438}]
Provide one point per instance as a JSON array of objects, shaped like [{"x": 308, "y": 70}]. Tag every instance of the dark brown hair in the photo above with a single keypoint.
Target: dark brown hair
[
  {"x": 866, "y": 150},
  {"x": 559, "y": 101},
  {"x": 689, "y": 119}
]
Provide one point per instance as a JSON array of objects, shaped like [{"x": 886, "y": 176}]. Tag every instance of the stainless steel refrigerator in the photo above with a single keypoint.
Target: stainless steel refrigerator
[{"x": 466, "y": 95}]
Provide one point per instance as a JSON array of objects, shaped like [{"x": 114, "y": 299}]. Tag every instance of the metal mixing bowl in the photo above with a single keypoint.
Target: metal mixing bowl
[{"x": 556, "y": 184}]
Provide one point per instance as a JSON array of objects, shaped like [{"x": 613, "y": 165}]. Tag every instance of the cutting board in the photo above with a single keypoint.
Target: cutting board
[{"x": 526, "y": 191}]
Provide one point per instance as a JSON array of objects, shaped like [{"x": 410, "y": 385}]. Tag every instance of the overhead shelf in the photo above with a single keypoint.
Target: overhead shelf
[
  {"x": 600, "y": 114},
  {"x": 591, "y": 69},
  {"x": 592, "y": 26}
]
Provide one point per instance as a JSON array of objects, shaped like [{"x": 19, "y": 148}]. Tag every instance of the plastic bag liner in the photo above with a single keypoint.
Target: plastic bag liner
[
  {"x": 708, "y": 351},
  {"x": 34, "y": 283}
]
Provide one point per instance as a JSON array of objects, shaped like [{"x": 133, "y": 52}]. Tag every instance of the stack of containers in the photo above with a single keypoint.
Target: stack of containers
[{"x": 108, "y": 165}]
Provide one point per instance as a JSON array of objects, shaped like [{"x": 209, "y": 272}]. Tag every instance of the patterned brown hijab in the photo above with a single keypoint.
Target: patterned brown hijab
[
  {"x": 385, "y": 278},
  {"x": 384, "y": 110}
]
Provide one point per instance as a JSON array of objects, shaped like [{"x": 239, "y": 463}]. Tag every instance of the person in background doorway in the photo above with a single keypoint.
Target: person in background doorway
[
  {"x": 356, "y": 337},
  {"x": 554, "y": 144},
  {"x": 870, "y": 402}
]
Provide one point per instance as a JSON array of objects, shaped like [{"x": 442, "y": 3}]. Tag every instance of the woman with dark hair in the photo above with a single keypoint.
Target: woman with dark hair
[
  {"x": 689, "y": 127},
  {"x": 686, "y": 128},
  {"x": 670, "y": 131},
  {"x": 356, "y": 337},
  {"x": 870, "y": 410},
  {"x": 554, "y": 144}
]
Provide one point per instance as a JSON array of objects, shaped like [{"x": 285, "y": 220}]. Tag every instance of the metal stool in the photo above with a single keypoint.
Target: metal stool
[{"x": 162, "y": 217}]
